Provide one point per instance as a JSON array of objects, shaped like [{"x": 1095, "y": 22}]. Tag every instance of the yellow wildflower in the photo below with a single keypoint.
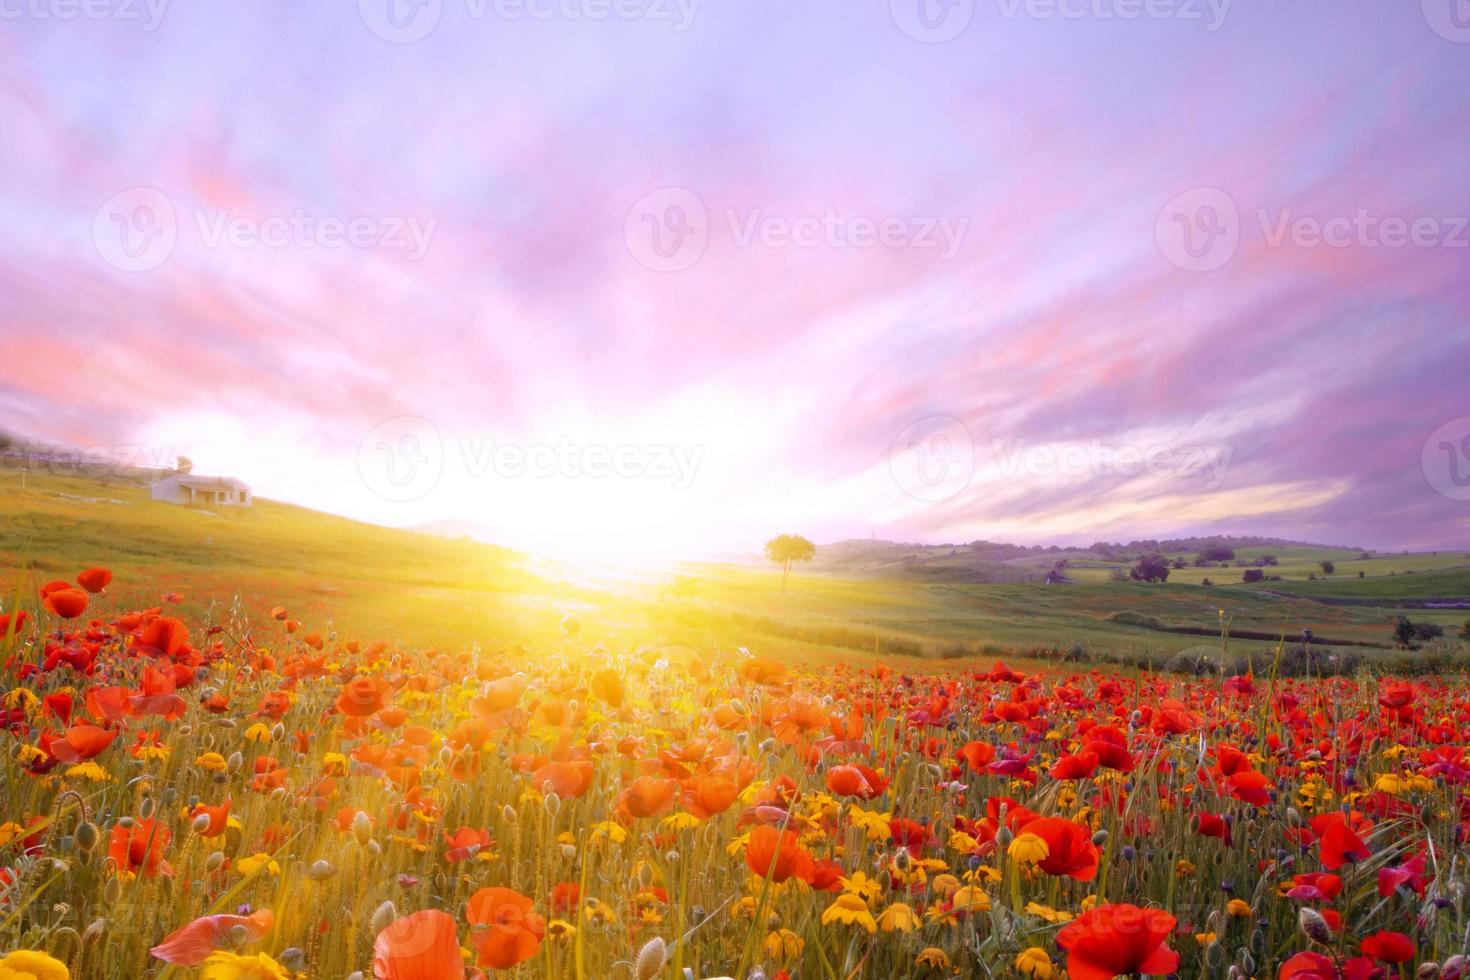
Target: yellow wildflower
[
  {"x": 934, "y": 958},
  {"x": 850, "y": 910},
  {"x": 874, "y": 823},
  {"x": 1035, "y": 963},
  {"x": 862, "y": 886},
  {"x": 1028, "y": 849},
  {"x": 232, "y": 966},
  {"x": 27, "y": 963},
  {"x": 89, "y": 770},
  {"x": 249, "y": 865},
  {"x": 784, "y": 944},
  {"x": 1238, "y": 908},
  {"x": 212, "y": 762},
  {"x": 898, "y": 917}
]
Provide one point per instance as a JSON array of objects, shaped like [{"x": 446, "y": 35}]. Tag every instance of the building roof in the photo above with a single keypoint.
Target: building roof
[{"x": 207, "y": 482}]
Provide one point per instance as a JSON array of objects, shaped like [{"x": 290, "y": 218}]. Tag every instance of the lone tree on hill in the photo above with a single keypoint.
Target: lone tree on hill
[
  {"x": 788, "y": 549},
  {"x": 1150, "y": 568}
]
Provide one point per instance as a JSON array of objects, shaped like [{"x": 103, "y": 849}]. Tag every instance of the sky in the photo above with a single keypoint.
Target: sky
[{"x": 669, "y": 277}]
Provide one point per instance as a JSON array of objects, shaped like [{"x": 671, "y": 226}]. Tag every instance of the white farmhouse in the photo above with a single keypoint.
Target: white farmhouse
[{"x": 209, "y": 491}]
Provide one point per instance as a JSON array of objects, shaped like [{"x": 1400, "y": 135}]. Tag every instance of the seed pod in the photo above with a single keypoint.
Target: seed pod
[
  {"x": 1313, "y": 926},
  {"x": 86, "y": 835},
  {"x": 234, "y": 762},
  {"x": 1100, "y": 837},
  {"x": 320, "y": 870},
  {"x": 384, "y": 916},
  {"x": 651, "y": 958},
  {"x": 552, "y": 802},
  {"x": 214, "y": 862},
  {"x": 362, "y": 827}
]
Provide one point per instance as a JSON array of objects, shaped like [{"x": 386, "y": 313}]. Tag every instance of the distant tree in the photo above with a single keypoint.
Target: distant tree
[
  {"x": 1179, "y": 563},
  {"x": 1428, "y": 631},
  {"x": 1252, "y": 575},
  {"x": 184, "y": 465},
  {"x": 1403, "y": 632},
  {"x": 1267, "y": 560},
  {"x": 788, "y": 549},
  {"x": 1218, "y": 552},
  {"x": 1465, "y": 630},
  {"x": 1118, "y": 575},
  {"x": 1327, "y": 567},
  {"x": 1360, "y": 573},
  {"x": 1151, "y": 567}
]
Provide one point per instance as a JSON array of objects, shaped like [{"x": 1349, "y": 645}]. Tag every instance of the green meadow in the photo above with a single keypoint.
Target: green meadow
[{"x": 369, "y": 582}]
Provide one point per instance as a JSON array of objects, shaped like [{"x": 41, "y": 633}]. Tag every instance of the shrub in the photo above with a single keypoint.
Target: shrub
[
  {"x": 1151, "y": 568},
  {"x": 1253, "y": 575}
]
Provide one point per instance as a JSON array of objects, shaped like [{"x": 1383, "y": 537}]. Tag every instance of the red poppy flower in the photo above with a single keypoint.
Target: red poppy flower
[
  {"x": 1080, "y": 765},
  {"x": 362, "y": 696},
  {"x": 705, "y": 796},
  {"x": 1070, "y": 850},
  {"x": 139, "y": 849},
  {"x": 777, "y": 854},
  {"x": 67, "y": 603},
  {"x": 192, "y": 944},
  {"x": 855, "y": 780},
  {"x": 422, "y": 946},
  {"x": 647, "y": 797},
  {"x": 94, "y": 580},
  {"x": 566, "y": 779},
  {"x": 1388, "y": 947},
  {"x": 508, "y": 930},
  {"x": 1118, "y": 939}
]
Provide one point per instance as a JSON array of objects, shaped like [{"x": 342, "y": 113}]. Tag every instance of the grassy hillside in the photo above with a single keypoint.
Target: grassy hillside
[
  {"x": 322, "y": 567},
  {"x": 370, "y": 582}
]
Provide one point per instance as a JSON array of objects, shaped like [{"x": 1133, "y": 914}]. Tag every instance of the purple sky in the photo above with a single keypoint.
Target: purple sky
[{"x": 929, "y": 289}]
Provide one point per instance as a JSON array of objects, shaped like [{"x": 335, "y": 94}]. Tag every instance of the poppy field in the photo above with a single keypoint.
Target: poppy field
[{"x": 258, "y": 797}]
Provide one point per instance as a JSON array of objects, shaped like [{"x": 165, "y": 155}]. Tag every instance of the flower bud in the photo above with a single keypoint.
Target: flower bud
[
  {"x": 651, "y": 958},
  {"x": 1313, "y": 926}
]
